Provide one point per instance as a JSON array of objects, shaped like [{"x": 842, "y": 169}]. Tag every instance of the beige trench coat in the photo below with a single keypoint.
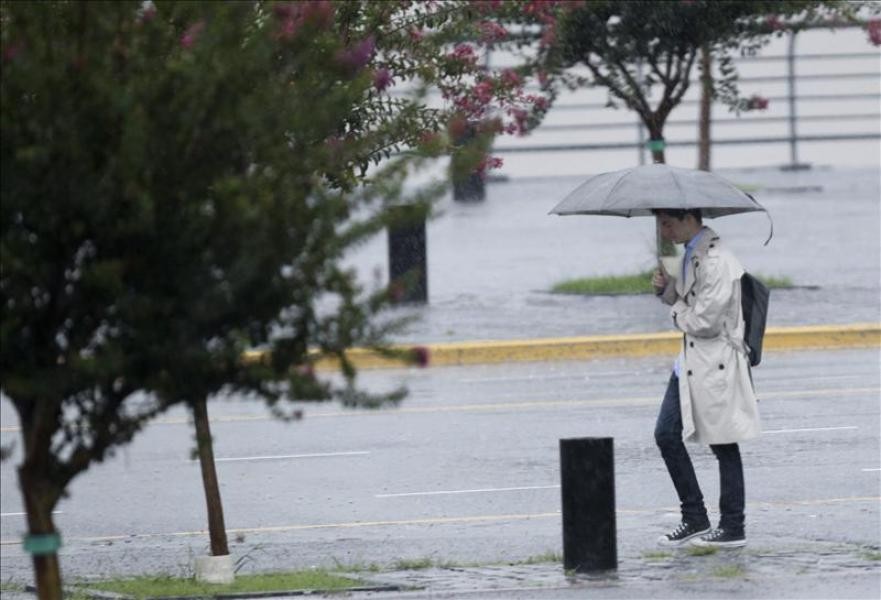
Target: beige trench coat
[{"x": 716, "y": 394}]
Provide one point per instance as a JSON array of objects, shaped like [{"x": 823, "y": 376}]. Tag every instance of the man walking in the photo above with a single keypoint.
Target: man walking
[{"x": 710, "y": 398}]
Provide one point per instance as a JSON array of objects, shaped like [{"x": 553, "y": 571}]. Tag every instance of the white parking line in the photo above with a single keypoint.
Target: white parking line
[
  {"x": 287, "y": 456},
  {"x": 868, "y": 470},
  {"x": 21, "y": 514},
  {"x": 811, "y": 429},
  {"x": 476, "y": 491},
  {"x": 548, "y": 377}
]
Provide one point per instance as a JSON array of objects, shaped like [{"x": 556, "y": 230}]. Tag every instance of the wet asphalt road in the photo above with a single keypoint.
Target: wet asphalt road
[
  {"x": 466, "y": 470},
  {"x": 491, "y": 264}
]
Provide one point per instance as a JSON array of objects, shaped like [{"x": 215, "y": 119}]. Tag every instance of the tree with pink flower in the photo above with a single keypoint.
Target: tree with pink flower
[
  {"x": 644, "y": 52},
  {"x": 180, "y": 182}
]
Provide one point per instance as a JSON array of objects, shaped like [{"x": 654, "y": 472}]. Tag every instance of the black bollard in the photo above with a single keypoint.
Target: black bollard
[
  {"x": 471, "y": 188},
  {"x": 408, "y": 270},
  {"x": 467, "y": 187},
  {"x": 587, "y": 474}
]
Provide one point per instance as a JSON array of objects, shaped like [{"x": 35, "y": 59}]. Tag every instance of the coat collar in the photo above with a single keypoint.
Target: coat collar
[{"x": 708, "y": 239}]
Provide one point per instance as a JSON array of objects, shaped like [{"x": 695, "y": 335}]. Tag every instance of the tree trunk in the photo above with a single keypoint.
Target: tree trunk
[
  {"x": 703, "y": 161},
  {"x": 39, "y": 500},
  {"x": 216, "y": 528},
  {"x": 656, "y": 144}
]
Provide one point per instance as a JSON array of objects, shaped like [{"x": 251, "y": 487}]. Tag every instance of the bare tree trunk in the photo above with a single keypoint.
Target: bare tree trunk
[
  {"x": 216, "y": 527},
  {"x": 39, "y": 500},
  {"x": 656, "y": 145},
  {"x": 703, "y": 161}
]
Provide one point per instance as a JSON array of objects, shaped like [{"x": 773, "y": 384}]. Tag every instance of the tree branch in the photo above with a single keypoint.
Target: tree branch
[
  {"x": 643, "y": 110},
  {"x": 634, "y": 85}
]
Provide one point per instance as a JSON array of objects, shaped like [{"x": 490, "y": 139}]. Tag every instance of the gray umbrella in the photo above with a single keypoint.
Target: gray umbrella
[{"x": 636, "y": 191}]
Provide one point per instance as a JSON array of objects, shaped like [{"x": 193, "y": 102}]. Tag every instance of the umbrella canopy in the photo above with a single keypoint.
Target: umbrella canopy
[{"x": 636, "y": 191}]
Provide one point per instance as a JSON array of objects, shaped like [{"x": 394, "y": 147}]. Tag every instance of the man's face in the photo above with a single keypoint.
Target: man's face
[{"x": 677, "y": 231}]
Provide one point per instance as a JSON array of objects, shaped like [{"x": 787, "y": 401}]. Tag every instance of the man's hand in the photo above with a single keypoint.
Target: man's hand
[{"x": 659, "y": 281}]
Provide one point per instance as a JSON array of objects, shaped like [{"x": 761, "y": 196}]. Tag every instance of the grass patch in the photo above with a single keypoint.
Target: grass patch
[
  {"x": 413, "y": 564},
  {"x": 657, "y": 555},
  {"x": 701, "y": 551},
  {"x": 358, "y": 567},
  {"x": 729, "y": 571},
  {"x": 641, "y": 283},
  {"x": 540, "y": 559},
  {"x": 157, "y": 587},
  {"x": 871, "y": 555}
]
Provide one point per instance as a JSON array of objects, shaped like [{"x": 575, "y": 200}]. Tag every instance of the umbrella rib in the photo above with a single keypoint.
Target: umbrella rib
[
  {"x": 679, "y": 187},
  {"x": 624, "y": 173}
]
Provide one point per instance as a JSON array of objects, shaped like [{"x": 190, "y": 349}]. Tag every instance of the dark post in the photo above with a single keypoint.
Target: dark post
[
  {"x": 588, "y": 491},
  {"x": 408, "y": 269},
  {"x": 467, "y": 187}
]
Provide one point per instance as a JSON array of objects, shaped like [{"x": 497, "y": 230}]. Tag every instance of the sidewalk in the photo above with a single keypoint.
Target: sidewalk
[{"x": 855, "y": 335}]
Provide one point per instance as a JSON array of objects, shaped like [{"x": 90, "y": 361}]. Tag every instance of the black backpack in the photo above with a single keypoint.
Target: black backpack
[{"x": 754, "y": 301}]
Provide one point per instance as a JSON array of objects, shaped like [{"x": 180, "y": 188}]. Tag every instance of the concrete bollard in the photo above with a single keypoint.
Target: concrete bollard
[
  {"x": 588, "y": 492},
  {"x": 407, "y": 250},
  {"x": 215, "y": 569}
]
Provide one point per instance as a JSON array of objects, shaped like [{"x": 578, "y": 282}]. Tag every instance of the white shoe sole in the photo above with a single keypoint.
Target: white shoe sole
[
  {"x": 699, "y": 543},
  {"x": 665, "y": 542}
]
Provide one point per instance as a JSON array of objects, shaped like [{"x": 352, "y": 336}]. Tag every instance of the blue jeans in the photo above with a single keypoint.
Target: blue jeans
[{"x": 668, "y": 436}]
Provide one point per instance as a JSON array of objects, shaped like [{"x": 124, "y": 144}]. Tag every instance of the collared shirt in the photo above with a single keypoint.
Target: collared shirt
[{"x": 689, "y": 248}]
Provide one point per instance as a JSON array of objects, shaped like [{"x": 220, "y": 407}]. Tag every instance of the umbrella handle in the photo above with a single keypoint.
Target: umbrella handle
[{"x": 771, "y": 233}]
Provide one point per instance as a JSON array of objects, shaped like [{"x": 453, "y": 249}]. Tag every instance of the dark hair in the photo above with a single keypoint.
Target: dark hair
[{"x": 679, "y": 213}]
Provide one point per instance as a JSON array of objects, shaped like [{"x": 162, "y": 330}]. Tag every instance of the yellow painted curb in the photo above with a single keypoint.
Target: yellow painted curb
[{"x": 858, "y": 335}]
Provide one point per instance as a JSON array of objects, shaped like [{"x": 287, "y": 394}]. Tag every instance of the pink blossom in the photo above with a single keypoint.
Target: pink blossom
[
  {"x": 757, "y": 103},
  {"x": 188, "y": 39},
  {"x": 421, "y": 356},
  {"x": 463, "y": 53},
  {"x": 774, "y": 22},
  {"x": 490, "y": 32},
  {"x": 540, "y": 103},
  {"x": 416, "y": 35},
  {"x": 521, "y": 118},
  {"x": 510, "y": 78},
  {"x": 482, "y": 92},
  {"x": 874, "y": 29},
  {"x": 382, "y": 79},
  {"x": 357, "y": 56},
  {"x": 486, "y": 6},
  {"x": 487, "y": 163}
]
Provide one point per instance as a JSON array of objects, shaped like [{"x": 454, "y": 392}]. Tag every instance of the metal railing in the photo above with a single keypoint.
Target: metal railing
[{"x": 792, "y": 99}]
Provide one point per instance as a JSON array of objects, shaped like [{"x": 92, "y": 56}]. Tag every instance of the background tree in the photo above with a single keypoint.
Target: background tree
[
  {"x": 638, "y": 48},
  {"x": 180, "y": 181}
]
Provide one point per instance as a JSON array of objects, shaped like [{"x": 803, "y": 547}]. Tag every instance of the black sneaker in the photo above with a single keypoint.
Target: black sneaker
[
  {"x": 719, "y": 538},
  {"x": 682, "y": 534}
]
